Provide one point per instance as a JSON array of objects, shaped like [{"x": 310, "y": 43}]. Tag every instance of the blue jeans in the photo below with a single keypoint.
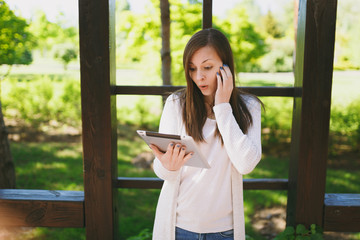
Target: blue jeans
[{"x": 181, "y": 234}]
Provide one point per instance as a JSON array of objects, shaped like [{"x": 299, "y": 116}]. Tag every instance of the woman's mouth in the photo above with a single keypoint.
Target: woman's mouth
[{"x": 203, "y": 87}]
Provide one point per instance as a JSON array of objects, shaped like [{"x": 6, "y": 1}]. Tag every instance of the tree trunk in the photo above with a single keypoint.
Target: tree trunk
[
  {"x": 7, "y": 169},
  {"x": 296, "y": 13},
  {"x": 165, "y": 36}
]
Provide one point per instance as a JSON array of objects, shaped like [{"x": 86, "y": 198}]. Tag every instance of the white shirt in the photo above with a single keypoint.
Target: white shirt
[
  {"x": 244, "y": 153},
  {"x": 204, "y": 203}
]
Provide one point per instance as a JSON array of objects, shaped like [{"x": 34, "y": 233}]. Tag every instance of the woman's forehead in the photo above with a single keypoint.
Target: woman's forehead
[{"x": 203, "y": 55}]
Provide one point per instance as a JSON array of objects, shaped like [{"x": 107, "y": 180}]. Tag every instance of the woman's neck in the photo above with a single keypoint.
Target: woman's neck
[{"x": 209, "y": 100}]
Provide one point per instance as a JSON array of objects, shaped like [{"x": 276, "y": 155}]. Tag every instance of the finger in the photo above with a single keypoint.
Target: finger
[
  {"x": 219, "y": 80},
  {"x": 177, "y": 149},
  {"x": 170, "y": 148},
  {"x": 187, "y": 157},
  {"x": 223, "y": 73},
  {"x": 156, "y": 151},
  {"x": 228, "y": 81},
  {"x": 227, "y": 71},
  {"x": 182, "y": 152}
]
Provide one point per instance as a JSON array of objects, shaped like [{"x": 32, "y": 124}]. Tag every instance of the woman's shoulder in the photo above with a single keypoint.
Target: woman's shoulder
[
  {"x": 249, "y": 99},
  {"x": 174, "y": 102},
  {"x": 176, "y": 97}
]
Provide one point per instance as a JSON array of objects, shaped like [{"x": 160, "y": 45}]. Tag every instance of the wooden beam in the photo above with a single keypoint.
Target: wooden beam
[
  {"x": 41, "y": 208},
  {"x": 156, "y": 183},
  {"x": 207, "y": 14},
  {"x": 342, "y": 213},
  {"x": 97, "y": 62},
  {"x": 311, "y": 114},
  {"x": 166, "y": 90}
]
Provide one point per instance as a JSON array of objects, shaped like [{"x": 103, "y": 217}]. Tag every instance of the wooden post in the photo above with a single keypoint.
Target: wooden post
[
  {"x": 165, "y": 39},
  {"x": 97, "y": 61},
  {"x": 310, "y": 129},
  {"x": 207, "y": 14}
]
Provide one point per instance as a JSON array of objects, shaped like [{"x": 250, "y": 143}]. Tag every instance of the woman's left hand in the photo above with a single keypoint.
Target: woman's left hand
[{"x": 225, "y": 85}]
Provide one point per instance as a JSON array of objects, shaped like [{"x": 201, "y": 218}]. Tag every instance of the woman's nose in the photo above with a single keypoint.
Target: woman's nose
[{"x": 199, "y": 75}]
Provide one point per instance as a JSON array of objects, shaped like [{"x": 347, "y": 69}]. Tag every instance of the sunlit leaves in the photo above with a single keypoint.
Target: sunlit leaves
[{"x": 15, "y": 40}]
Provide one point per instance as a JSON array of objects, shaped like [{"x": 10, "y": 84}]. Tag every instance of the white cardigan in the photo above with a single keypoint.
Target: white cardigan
[{"x": 244, "y": 152}]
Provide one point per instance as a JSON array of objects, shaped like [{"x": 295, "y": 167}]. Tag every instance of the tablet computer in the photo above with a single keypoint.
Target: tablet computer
[{"x": 162, "y": 141}]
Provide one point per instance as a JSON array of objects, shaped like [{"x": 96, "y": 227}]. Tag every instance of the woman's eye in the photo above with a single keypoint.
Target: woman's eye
[
  {"x": 208, "y": 67},
  {"x": 191, "y": 69}
]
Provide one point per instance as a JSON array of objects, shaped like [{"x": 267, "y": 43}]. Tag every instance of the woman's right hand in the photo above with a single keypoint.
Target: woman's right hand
[{"x": 174, "y": 157}]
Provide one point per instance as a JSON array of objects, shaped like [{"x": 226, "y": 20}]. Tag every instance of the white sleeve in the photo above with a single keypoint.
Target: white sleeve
[
  {"x": 244, "y": 150},
  {"x": 169, "y": 123}
]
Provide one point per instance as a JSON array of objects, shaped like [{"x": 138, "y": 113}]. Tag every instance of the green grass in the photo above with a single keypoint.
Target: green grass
[{"x": 48, "y": 166}]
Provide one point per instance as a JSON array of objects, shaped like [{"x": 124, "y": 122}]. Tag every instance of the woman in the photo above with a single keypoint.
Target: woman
[{"x": 197, "y": 203}]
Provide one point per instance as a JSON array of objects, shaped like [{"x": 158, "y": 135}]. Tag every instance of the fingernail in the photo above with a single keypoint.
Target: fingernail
[
  {"x": 222, "y": 68},
  {"x": 178, "y": 145},
  {"x": 225, "y": 65},
  {"x": 217, "y": 74},
  {"x": 171, "y": 144},
  {"x": 183, "y": 149}
]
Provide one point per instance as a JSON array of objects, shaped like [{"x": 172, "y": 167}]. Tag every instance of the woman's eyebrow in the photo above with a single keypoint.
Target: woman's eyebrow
[{"x": 202, "y": 61}]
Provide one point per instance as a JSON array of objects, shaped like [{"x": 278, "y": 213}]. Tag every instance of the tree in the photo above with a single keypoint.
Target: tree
[
  {"x": 66, "y": 54},
  {"x": 15, "y": 39},
  {"x": 7, "y": 169},
  {"x": 140, "y": 40},
  {"x": 271, "y": 26},
  {"x": 15, "y": 48},
  {"x": 347, "y": 49},
  {"x": 247, "y": 44},
  {"x": 165, "y": 36},
  {"x": 55, "y": 38},
  {"x": 45, "y": 32}
]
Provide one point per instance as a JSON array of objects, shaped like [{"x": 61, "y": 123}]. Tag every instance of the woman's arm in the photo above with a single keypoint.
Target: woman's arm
[
  {"x": 244, "y": 150},
  {"x": 169, "y": 123}
]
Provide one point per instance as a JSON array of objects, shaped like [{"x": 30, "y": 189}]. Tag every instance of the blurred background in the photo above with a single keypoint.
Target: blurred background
[{"x": 41, "y": 108}]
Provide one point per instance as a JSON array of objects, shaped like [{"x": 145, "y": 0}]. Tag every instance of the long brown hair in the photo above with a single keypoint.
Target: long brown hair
[{"x": 194, "y": 111}]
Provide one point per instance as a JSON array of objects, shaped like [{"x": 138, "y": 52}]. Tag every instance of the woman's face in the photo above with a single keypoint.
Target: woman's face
[{"x": 203, "y": 66}]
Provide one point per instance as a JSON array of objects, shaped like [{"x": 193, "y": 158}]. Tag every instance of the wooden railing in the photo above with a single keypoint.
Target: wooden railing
[
  {"x": 156, "y": 183},
  {"x": 166, "y": 90}
]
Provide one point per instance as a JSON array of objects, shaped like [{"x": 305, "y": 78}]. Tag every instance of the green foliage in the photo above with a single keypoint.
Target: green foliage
[
  {"x": 140, "y": 41},
  {"x": 34, "y": 107},
  {"x": 247, "y": 44},
  {"x": 280, "y": 57},
  {"x": 279, "y": 32},
  {"x": 301, "y": 233},
  {"x": 137, "y": 38},
  {"x": 144, "y": 112},
  {"x": 186, "y": 19},
  {"x": 66, "y": 55},
  {"x": 276, "y": 120},
  {"x": 53, "y": 38},
  {"x": 15, "y": 39},
  {"x": 347, "y": 48},
  {"x": 271, "y": 26},
  {"x": 345, "y": 121},
  {"x": 41, "y": 100},
  {"x": 44, "y": 31}
]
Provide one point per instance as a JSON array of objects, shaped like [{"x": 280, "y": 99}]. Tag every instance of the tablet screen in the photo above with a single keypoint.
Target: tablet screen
[{"x": 162, "y": 140}]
